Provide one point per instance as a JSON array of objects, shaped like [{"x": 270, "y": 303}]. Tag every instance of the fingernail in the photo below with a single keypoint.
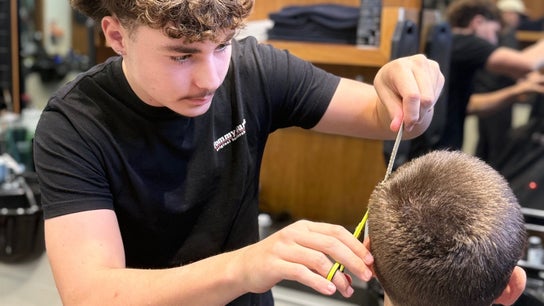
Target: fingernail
[
  {"x": 331, "y": 287},
  {"x": 367, "y": 275},
  {"x": 369, "y": 258},
  {"x": 349, "y": 291}
]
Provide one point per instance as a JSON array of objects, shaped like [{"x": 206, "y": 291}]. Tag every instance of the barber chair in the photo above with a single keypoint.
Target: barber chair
[
  {"x": 21, "y": 219},
  {"x": 21, "y": 215}
]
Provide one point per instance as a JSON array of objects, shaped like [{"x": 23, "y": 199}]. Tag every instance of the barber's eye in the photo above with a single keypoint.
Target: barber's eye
[
  {"x": 222, "y": 47},
  {"x": 181, "y": 59}
]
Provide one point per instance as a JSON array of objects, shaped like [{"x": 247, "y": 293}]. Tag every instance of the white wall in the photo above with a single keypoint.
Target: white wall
[{"x": 60, "y": 12}]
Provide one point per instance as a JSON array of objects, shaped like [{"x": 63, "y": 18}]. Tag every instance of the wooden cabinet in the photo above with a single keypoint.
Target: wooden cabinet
[
  {"x": 346, "y": 55},
  {"x": 320, "y": 177},
  {"x": 534, "y": 8},
  {"x": 264, "y": 7}
]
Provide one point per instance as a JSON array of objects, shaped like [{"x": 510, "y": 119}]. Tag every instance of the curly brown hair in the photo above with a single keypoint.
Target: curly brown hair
[
  {"x": 461, "y": 12},
  {"x": 193, "y": 20}
]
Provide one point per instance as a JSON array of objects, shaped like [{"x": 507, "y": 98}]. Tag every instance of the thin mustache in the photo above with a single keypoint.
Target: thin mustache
[{"x": 201, "y": 95}]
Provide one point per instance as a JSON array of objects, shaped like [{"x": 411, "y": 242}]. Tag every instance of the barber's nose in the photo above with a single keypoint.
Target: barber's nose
[{"x": 207, "y": 75}]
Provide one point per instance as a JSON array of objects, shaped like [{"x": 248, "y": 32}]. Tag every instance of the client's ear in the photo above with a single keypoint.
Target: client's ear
[{"x": 514, "y": 289}]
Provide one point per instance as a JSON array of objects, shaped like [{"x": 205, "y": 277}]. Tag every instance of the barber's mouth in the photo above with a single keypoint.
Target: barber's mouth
[{"x": 200, "y": 100}]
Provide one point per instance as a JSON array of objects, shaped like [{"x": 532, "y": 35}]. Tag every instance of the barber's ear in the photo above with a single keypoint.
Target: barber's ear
[
  {"x": 114, "y": 34},
  {"x": 514, "y": 289}
]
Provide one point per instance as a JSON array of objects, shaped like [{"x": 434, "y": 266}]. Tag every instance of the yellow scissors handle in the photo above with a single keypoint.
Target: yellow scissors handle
[
  {"x": 359, "y": 229},
  {"x": 357, "y": 233}
]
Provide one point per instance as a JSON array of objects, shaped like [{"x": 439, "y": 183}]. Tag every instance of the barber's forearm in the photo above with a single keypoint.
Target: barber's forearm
[
  {"x": 536, "y": 53},
  {"x": 482, "y": 103},
  {"x": 212, "y": 281}
]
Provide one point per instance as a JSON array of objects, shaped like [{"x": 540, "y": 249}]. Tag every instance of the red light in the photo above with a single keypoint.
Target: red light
[{"x": 533, "y": 185}]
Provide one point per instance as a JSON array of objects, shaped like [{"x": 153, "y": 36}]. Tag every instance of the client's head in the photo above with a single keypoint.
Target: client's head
[{"x": 446, "y": 229}]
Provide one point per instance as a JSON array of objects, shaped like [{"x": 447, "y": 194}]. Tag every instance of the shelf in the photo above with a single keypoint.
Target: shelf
[
  {"x": 335, "y": 54},
  {"x": 529, "y": 36},
  {"x": 351, "y": 55}
]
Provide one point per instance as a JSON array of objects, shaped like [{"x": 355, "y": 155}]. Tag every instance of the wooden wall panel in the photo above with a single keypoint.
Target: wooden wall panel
[
  {"x": 319, "y": 177},
  {"x": 535, "y": 8}
]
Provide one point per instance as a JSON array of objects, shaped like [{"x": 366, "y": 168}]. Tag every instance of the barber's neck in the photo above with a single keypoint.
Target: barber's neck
[{"x": 387, "y": 301}]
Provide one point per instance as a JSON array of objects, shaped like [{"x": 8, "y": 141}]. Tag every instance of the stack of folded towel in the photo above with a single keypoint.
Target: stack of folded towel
[{"x": 332, "y": 23}]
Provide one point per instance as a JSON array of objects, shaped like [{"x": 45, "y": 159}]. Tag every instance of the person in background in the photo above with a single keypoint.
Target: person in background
[
  {"x": 148, "y": 163},
  {"x": 475, "y": 27},
  {"x": 446, "y": 229},
  {"x": 494, "y": 94},
  {"x": 512, "y": 12}
]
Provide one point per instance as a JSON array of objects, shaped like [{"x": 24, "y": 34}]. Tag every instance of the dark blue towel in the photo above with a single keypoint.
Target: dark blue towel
[{"x": 322, "y": 22}]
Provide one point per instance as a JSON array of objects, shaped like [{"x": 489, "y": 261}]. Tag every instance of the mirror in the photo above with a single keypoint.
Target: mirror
[{"x": 55, "y": 44}]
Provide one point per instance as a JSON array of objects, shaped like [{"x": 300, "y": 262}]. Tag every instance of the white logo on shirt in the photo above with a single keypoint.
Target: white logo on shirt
[{"x": 230, "y": 136}]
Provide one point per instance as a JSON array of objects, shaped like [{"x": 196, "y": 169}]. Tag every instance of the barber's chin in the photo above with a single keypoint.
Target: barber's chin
[{"x": 192, "y": 109}]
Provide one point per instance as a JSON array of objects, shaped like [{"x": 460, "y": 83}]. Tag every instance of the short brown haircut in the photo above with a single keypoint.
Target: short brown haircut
[
  {"x": 461, "y": 12},
  {"x": 192, "y": 20},
  {"x": 445, "y": 229}
]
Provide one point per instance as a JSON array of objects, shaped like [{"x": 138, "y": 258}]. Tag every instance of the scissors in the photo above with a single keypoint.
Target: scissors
[{"x": 359, "y": 229}]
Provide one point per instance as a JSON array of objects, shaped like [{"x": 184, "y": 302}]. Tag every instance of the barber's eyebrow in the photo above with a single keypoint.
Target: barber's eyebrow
[
  {"x": 193, "y": 50},
  {"x": 181, "y": 49}
]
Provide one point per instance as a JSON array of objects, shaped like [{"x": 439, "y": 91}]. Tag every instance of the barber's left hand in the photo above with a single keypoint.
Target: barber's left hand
[{"x": 409, "y": 87}]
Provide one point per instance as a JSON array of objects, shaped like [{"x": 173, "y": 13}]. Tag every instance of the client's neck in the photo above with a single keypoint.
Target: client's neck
[{"x": 386, "y": 301}]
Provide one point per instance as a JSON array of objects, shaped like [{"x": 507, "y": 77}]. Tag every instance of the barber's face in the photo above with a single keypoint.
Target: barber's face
[
  {"x": 171, "y": 73},
  {"x": 489, "y": 30}
]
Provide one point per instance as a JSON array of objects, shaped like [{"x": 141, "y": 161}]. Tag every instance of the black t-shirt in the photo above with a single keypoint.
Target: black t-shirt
[
  {"x": 486, "y": 81},
  {"x": 469, "y": 54},
  {"x": 183, "y": 189}
]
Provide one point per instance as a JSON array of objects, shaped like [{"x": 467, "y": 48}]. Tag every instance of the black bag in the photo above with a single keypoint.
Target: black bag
[{"x": 21, "y": 220}]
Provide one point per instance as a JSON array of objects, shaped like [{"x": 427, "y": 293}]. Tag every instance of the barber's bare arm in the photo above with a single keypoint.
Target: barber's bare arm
[
  {"x": 482, "y": 103},
  {"x": 87, "y": 258},
  {"x": 514, "y": 63}
]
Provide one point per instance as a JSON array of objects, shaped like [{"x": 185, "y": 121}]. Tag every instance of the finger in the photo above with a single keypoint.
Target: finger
[
  {"x": 310, "y": 268},
  {"x": 339, "y": 244},
  {"x": 440, "y": 82},
  {"x": 428, "y": 101},
  {"x": 343, "y": 281},
  {"x": 405, "y": 83},
  {"x": 428, "y": 80},
  {"x": 387, "y": 92}
]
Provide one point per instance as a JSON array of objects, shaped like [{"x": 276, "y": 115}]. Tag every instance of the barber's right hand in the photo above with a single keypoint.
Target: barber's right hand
[
  {"x": 533, "y": 82},
  {"x": 304, "y": 252}
]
